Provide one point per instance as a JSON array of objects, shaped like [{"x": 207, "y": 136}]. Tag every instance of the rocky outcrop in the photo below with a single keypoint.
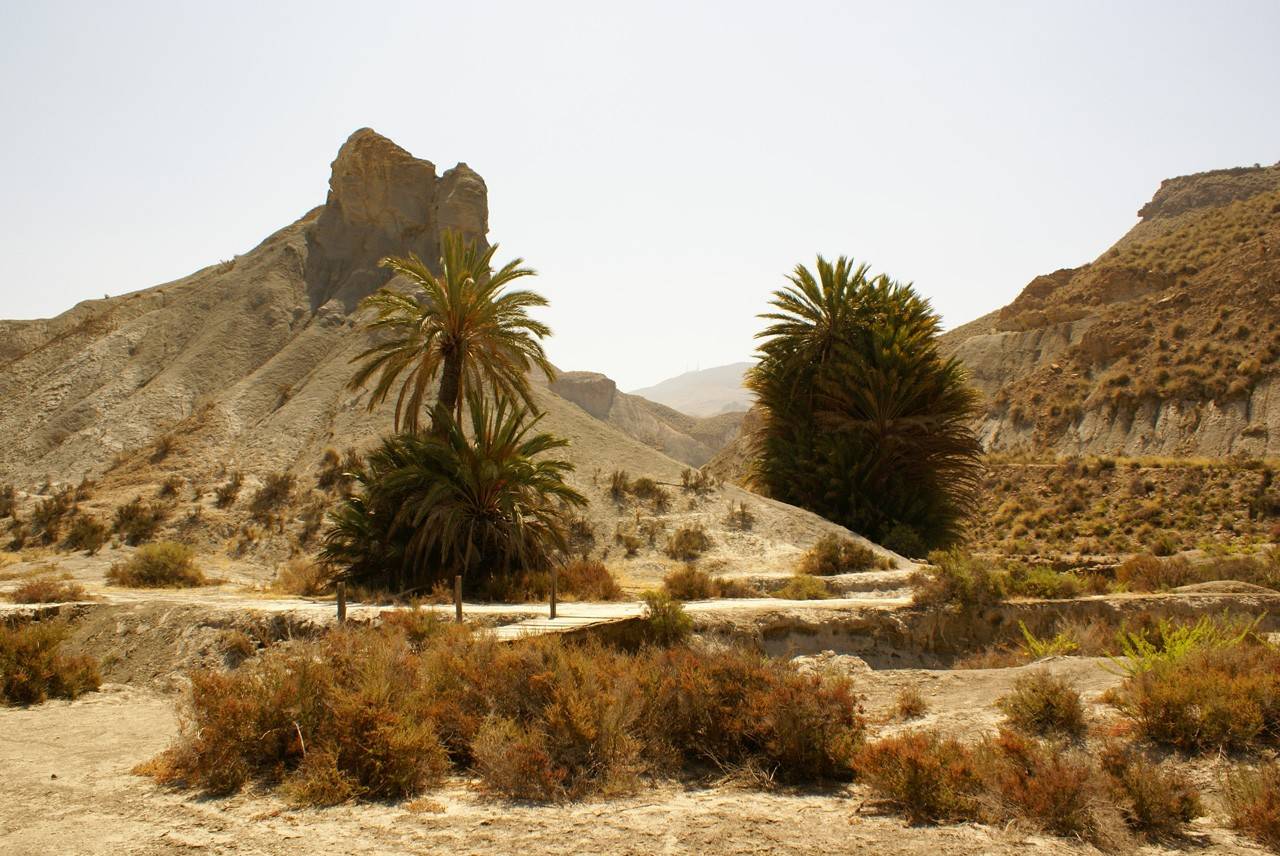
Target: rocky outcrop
[
  {"x": 591, "y": 391},
  {"x": 1167, "y": 344},
  {"x": 384, "y": 201}
]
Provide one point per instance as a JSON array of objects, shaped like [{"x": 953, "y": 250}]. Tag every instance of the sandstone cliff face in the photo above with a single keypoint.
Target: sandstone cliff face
[
  {"x": 383, "y": 201},
  {"x": 1167, "y": 344}
]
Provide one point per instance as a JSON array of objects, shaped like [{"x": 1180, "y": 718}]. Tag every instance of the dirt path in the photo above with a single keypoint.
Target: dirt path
[{"x": 66, "y": 789}]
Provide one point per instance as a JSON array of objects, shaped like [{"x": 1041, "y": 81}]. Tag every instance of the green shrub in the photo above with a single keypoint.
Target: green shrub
[
  {"x": 832, "y": 555},
  {"x": 1042, "y": 582},
  {"x": 957, "y": 579},
  {"x": 905, "y": 541},
  {"x": 32, "y": 669},
  {"x": 688, "y": 542},
  {"x": 1042, "y": 704},
  {"x": 165, "y": 564},
  {"x": 666, "y": 622}
]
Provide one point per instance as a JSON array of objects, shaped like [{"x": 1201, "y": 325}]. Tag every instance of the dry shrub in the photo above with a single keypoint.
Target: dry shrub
[
  {"x": 832, "y": 555},
  {"x": 1150, "y": 573},
  {"x": 237, "y": 646},
  {"x": 587, "y": 579},
  {"x": 804, "y": 587},
  {"x": 165, "y": 564},
  {"x": 8, "y": 500},
  {"x": 692, "y": 583},
  {"x": 1207, "y": 698},
  {"x": 367, "y": 714},
  {"x": 927, "y": 777},
  {"x": 1039, "y": 581},
  {"x": 301, "y": 576},
  {"x": 225, "y": 494},
  {"x": 276, "y": 490},
  {"x": 170, "y": 486},
  {"x": 910, "y": 704},
  {"x": 49, "y": 515},
  {"x": 48, "y": 591},
  {"x": 1156, "y": 800},
  {"x": 1058, "y": 791},
  {"x": 86, "y": 533},
  {"x": 32, "y": 669},
  {"x": 957, "y": 579},
  {"x": 1253, "y": 802},
  {"x": 739, "y": 518},
  {"x": 688, "y": 543},
  {"x": 1043, "y": 704},
  {"x": 137, "y": 521}
]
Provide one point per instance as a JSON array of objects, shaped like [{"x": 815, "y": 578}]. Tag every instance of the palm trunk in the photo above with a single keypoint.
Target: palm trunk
[{"x": 450, "y": 393}]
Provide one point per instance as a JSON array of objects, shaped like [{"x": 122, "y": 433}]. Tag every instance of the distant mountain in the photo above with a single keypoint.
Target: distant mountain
[{"x": 705, "y": 392}]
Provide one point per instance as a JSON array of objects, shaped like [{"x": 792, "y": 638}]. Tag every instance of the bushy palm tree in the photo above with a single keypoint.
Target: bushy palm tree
[
  {"x": 481, "y": 502},
  {"x": 865, "y": 422},
  {"x": 461, "y": 326}
]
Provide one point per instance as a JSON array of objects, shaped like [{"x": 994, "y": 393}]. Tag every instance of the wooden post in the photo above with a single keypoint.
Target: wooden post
[
  {"x": 342, "y": 603},
  {"x": 457, "y": 597},
  {"x": 554, "y": 569}
]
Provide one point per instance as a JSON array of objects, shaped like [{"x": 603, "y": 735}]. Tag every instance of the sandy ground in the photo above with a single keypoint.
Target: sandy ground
[{"x": 66, "y": 789}]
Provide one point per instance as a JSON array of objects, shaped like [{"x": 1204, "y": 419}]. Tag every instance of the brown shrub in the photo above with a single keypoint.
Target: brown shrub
[
  {"x": 1156, "y": 800},
  {"x": 1253, "y": 802},
  {"x": 137, "y": 521},
  {"x": 48, "y": 591},
  {"x": 165, "y": 564},
  {"x": 276, "y": 490},
  {"x": 832, "y": 555},
  {"x": 587, "y": 579},
  {"x": 927, "y": 777},
  {"x": 86, "y": 533},
  {"x": 302, "y": 576},
  {"x": 1043, "y": 704},
  {"x": 910, "y": 704},
  {"x": 688, "y": 543},
  {"x": 225, "y": 494},
  {"x": 540, "y": 719},
  {"x": 1209, "y": 698},
  {"x": 1150, "y": 573},
  {"x": 689, "y": 582},
  {"x": 32, "y": 669}
]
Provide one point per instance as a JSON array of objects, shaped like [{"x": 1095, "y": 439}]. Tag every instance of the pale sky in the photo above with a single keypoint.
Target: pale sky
[{"x": 662, "y": 165}]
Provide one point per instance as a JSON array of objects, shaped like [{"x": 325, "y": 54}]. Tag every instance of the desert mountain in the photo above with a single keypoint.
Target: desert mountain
[
  {"x": 243, "y": 367},
  {"x": 1166, "y": 344},
  {"x": 703, "y": 393}
]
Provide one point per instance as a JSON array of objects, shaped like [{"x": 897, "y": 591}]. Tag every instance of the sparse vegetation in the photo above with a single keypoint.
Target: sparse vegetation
[
  {"x": 688, "y": 542},
  {"x": 48, "y": 591},
  {"x": 740, "y": 518},
  {"x": 137, "y": 521},
  {"x": 1253, "y": 801},
  {"x": 86, "y": 533},
  {"x": 539, "y": 720},
  {"x": 33, "y": 669},
  {"x": 226, "y": 494},
  {"x": 832, "y": 555},
  {"x": 910, "y": 703},
  {"x": 276, "y": 491},
  {"x": 165, "y": 564},
  {"x": 1043, "y": 704}
]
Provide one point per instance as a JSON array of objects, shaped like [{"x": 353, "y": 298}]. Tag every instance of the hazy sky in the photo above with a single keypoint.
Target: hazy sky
[{"x": 662, "y": 165}]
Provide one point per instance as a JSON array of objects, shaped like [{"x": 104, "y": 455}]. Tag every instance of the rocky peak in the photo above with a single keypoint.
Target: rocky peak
[
  {"x": 591, "y": 391},
  {"x": 384, "y": 201}
]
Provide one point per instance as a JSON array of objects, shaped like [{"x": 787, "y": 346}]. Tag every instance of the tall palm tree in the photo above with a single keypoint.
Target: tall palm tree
[
  {"x": 461, "y": 325},
  {"x": 865, "y": 422},
  {"x": 480, "y": 501}
]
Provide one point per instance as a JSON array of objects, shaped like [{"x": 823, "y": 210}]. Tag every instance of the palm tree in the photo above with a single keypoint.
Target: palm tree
[
  {"x": 481, "y": 502},
  {"x": 461, "y": 325},
  {"x": 865, "y": 422}
]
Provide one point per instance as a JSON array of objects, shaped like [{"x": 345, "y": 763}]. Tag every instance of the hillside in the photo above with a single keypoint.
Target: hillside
[
  {"x": 242, "y": 367},
  {"x": 703, "y": 393},
  {"x": 1166, "y": 344}
]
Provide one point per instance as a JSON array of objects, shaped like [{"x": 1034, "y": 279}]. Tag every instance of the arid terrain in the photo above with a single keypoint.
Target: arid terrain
[{"x": 1130, "y": 424}]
